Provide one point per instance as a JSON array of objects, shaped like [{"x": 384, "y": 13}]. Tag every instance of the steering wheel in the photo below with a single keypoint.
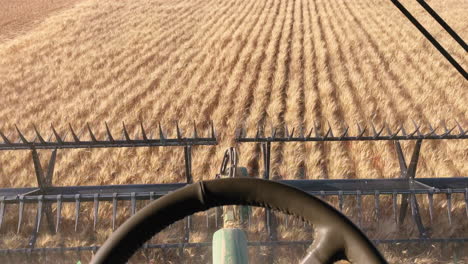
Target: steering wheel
[{"x": 336, "y": 236}]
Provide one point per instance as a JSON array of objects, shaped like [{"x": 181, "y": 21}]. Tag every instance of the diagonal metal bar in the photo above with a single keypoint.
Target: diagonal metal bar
[
  {"x": 2, "y": 210},
  {"x": 431, "y": 39},
  {"x": 38, "y": 135},
  {"x": 143, "y": 132},
  {"x": 188, "y": 163},
  {"x": 56, "y": 134},
  {"x": 441, "y": 22},
  {"x": 96, "y": 210},
  {"x": 91, "y": 134},
  {"x": 75, "y": 137},
  {"x": 410, "y": 173},
  {"x": 5, "y": 139}
]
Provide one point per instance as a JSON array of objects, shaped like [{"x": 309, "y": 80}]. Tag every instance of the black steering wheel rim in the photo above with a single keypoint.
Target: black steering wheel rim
[{"x": 335, "y": 236}]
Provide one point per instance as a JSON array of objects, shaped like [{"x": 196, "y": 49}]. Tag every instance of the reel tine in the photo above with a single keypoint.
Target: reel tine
[
  {"x": 151, "y": 196},
  {"x": 114, "y": 209},
  {"x": 292, "y": 133},
  {"x": 394, "y": 206},
  {"x": 195, "y": 133},
  {"x": 360, "y": 130},
  {"x": 273, "y": 132},
  {"x": 109, "y": 134},
  {"x": 374, "y": 130},
  {"x": 2, "y": 209},
  {"x": 341, "y": 200},
  {"x": 59, "y": 212},
  {"x": 39, "y": 212},
  {"x": 345, "y": 132},
  {"x": 430, "y": 198},
  {"x": 403, "y": 131},
  {"x": 317, "y": 131},
  {"x": 330, "y": 129},
  {"x": 448, "y": 131},
  {"x": 143, "y": 133},
  {"x": 207, "y": 219},
  {"x": 178, "y": 132},
  {"x": 389, "y": 131},
  {"x": 416, "y": 128},
  {"x": 75, "y": 137},
  {"x": 5, "y": 138},
  {"x": 25, "y": 141},
  {"x": 57, "y": 136},
  {"x": 125, "y": 132},
  {"x": 310, "y": 133},
  {"x": 38, "y": 135},
  {"x": 77, "y": 210},
  {"x": 133, "y": 203},
  {"x": 359, "y": 206},
  {"x": 213, "y": 133},
  {"x": 432, "y": 131},
  {"x": 449, "y": 205},
  {"x": 301, "y": 132},
  {"x": 93, "y": 138},
  {"x": 462, "y": 132},
  {"x": 377, "y": 205},
  {"x": 161, "y": 134},
  {"x": 398, "y": 131},
  {"x": 20, "y": 213},
  {"x": 96, "y": 210}
]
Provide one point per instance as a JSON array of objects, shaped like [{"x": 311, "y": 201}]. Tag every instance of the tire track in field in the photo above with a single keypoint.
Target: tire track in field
[
  {"x": 340, "y": 157},
  {"x": 249, "y": 90},
  {"x": 222, "y": 105},
  {"x": 108, "y": 78},
  {"x": 317, "y": 156},
  {"x": 351, "y": 97},
  {"x": 236, "y": 27},
  {"x": 295, "y": 152},
  {"x": 259, "y": 60},
  {"x": 403, "y": 94},
  {"x": 259, "y": 114},
  {"x": 253, "y": 93},
  {"x": 277, "y": 107}
]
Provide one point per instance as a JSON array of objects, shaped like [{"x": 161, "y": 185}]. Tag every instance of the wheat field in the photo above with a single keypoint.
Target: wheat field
[{"x": 238, "y": 63}]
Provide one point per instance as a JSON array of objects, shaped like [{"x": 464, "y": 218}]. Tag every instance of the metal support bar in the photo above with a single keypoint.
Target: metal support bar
[
  {"x": 441, "y": 22},
  {"x": 266, "y": 150},
  {"x": 44, "y": 182},
  {"x": 428, "y": 241},
  {"x": 431, "y": 39},
  {"x": 410, "y": 173},
  {"x": 188, "y": 163}
]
